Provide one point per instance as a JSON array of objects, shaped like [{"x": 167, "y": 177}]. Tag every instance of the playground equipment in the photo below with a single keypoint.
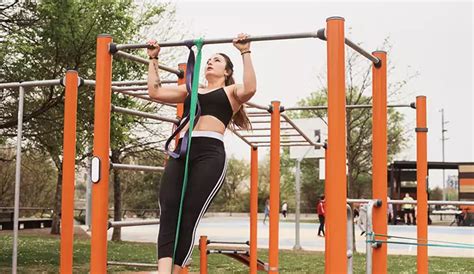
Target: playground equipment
[{"x": 338, "y": 259}]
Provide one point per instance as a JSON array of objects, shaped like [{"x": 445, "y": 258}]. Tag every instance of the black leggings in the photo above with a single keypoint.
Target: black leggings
[
  {"x": 321, "y": 224},
  {"x": 206, "y": 169}
]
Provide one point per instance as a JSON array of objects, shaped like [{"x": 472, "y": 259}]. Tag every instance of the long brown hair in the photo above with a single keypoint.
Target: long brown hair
[{"x": 240, "y": 118}]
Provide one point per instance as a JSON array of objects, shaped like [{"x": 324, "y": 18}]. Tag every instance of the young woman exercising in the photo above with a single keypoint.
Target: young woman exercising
[{"x": 221, "y": 105}]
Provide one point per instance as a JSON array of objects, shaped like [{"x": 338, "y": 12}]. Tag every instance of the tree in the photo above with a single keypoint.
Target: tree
[
  {"x": 359, "y": 121},
  {"x": 44, "y": 39}
]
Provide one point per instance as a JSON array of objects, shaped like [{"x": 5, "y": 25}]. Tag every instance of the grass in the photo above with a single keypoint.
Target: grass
[{"x": 40, "y": 254}]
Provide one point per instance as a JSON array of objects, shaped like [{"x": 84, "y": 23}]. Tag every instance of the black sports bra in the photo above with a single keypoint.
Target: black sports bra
[{"x": 214, "y": 103}]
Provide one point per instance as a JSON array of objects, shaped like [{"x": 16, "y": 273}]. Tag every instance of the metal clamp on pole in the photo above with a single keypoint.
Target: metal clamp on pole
[{"x": 421, "y": 129}]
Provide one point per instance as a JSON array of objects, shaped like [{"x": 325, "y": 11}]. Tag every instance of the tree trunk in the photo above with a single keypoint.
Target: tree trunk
[
  {"x": 116, "y": 234},
  {"x": 55, "y": 226}
]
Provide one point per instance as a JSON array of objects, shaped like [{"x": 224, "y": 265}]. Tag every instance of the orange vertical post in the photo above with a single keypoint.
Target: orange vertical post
[
  {"x": 100, "y": 190},
  {"x": 203, "y": 255},
  {"x": 181, "y": 81},
  {"x": 379, "y": 157},
  {"x": 421, "y": 187},
  {"x": 69, "y": 172},
  {"x": 336, "y": 193},
  {"x": 274, "y": 187},
  {"x": 253, "y": 208}
]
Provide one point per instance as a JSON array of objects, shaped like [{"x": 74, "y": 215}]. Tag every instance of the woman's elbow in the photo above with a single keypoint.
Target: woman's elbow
[{"x": 153, "y": 93}]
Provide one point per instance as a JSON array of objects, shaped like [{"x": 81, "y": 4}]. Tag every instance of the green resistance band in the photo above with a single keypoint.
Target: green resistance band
[{"x": 192, "y": 114}]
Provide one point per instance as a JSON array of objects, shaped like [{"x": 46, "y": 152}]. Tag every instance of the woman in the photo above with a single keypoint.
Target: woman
[{"x": 221, "y": 106}]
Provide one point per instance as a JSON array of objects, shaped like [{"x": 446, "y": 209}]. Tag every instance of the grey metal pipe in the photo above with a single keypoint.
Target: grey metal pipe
[
  {"x": 347, "y": 106},
  {"x": 283, "y": 142},
  {"x": 132, "y": 264},
  {"x": 222, "y": 251},
  {"x": 129, "y": 88},
  {"x": 135, "y": 167},
  {"x": 283, "y": 145},
  {"x": 134, "y": 223},
  {"x": 144, "y": 97},
  {"x": 16, "y": 211},
  {"x": 143, "y": 114},
  {"x": 242, "y": 138},
  {"x": 39, "y": 83},
  {"x": 144, "y": 61},
  {"x": 363, "y": 52},
  {"x": 129, "y": 83},
  {"x": 222, "y": 40},
  {"x": 257, "y": 106},
  {"x": 297, "y": 245},
  {"x": 350, "y": 235},
  {"x": 267, "y": 128},
  {"x": 226, "y": 242},
  {"x": 414, "y": 202},
  {"x": 369, "y": 231},
  {"x": 300, "y": 131},
  {"x": 265, "y": 135}
]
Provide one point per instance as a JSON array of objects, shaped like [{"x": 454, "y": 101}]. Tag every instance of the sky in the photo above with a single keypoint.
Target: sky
[{"x": 431, "y": 39}]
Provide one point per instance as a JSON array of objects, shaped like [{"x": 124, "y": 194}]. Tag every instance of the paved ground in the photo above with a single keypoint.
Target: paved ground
[{"x": 237, "y": 229}]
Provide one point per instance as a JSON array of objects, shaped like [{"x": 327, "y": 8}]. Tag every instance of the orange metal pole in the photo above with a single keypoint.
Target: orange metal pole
[
  {"x": 100, "y": 190},
  {"x": 379, "y": 157},
  {"x": 180, "y": 106},
  {"x": 421, "y": 187},
  {"x": 69, "y": 172},
  {"x": 274, "y": 187},
  {"x": 253, "y": 208},
  {"x": 336, "y": 193},
  {"x": 203, "y": 254}
]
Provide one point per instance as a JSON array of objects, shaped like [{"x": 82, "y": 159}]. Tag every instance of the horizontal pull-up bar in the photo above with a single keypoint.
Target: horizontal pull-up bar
[
  {"x": 131, "y": 264},
  {"x": 414, "y": 202},
  {"x": 144, "y": 61},
  {"x": 129, "y": 83},
  {"x": 40, "y": 83},
  {"x": 318, "y": 34},
  {"x": 412, "y": 105},
  {"x": 143, "y": 114}
]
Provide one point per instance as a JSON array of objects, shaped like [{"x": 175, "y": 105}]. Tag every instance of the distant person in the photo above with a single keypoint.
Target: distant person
[
  {"x": 320, "y": 209},
  {"x": 408, "y": 209},
  {"x": 266, "y": 210},
  {"x": 284, "y": 209},
  {"x": 389, "y": 211},
  {"x": 362, "y": 220}
]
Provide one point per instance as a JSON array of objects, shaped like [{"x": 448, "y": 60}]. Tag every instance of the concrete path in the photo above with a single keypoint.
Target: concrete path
[{"x": 237, "y": 229}]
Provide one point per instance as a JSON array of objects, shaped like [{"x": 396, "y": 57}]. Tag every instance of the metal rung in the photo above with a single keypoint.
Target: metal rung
[
  {"x": 132, "y": 264},
  {"x": 232, "y": 243},
  {"x": 136, "y": 167},
  {"x": 224, "y": 251},
  {"x": 133, "y": 223},
  {"x": 143, "y": 114}
]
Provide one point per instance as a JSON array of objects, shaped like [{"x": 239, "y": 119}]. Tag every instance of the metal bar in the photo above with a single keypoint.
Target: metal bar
[
  {"x": 136, "y": 167},
  {"x": 370, "y": 236},
  {"x": 259, "y": 113},
  {"x": 350, "y": 237},
  {"x": 285, "y": 145},
  {"x": 132, "y": 264},
  {"x": 265, "y": 128},
  {"x": 414, "y": 202},
  {"x": 347, "y": 106},
  {"x": 283, "y": 142},
  {"x": 257, "y": 106},
  {"x": 241, "y": 137},
  {"x": 263, "y": 135},
  {"x": 362, "y": 51},
  {"x": 39, "y": 83},
  {"x": 16, "y": 211},
  {"x": 221, "y": 251},
  {"x": 133, "y": 223},
  {"x": 143, "y": 114},
  {"x": 253, "y": 209},
  {"x": 223, "y": 40},
  {"x": 129, "y": 83},
  {"x": 144, "y": 97},
  {"x": 146, "y": 62},
  {"x": 299, "y": 130},
  {"x": 231, "y": 243}
]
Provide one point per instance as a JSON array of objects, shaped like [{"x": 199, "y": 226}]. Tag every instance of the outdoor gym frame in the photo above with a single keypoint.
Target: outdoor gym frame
[{"x": 336, "y": 256}]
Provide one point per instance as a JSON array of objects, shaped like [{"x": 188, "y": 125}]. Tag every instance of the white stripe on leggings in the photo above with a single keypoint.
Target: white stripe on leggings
[{"x": 209, "y": 198}]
